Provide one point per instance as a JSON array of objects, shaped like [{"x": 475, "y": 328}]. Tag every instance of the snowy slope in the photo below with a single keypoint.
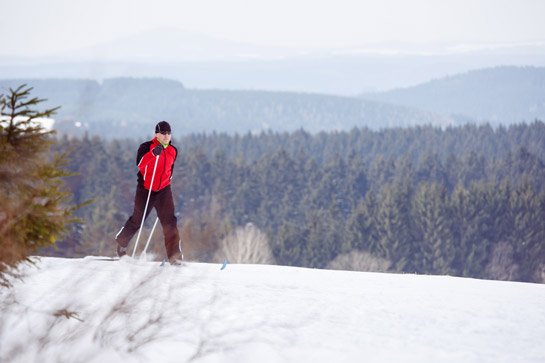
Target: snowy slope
[{"x": 86, "y": 310}]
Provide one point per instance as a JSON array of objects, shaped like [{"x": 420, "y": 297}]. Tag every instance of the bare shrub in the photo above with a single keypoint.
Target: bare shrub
[
  {"x": 357, "y": 260},
  {"x": 246, "y": 245}
]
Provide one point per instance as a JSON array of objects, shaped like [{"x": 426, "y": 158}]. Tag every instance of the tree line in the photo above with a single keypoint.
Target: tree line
[{"x": 465, "y": 201}]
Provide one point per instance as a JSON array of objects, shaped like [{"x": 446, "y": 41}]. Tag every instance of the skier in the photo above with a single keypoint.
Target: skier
[{"x": 160, "y": 154}]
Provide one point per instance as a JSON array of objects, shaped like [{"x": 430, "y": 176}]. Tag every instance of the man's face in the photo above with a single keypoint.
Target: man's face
[{"x": 163, "y": 137}]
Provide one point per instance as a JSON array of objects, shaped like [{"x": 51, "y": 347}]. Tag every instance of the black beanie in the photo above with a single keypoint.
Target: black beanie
[{"x": 162, "y": 126}]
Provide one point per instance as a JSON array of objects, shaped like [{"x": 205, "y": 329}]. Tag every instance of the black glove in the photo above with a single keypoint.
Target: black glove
[{"x": 157, "y": 150}]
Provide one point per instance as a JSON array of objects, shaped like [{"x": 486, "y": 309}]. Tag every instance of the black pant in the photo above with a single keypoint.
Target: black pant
[{"x": 164, "y": 205}]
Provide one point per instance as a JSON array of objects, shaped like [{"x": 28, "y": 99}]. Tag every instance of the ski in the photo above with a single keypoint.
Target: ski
[
  {"x": 95, "y": 258},
  {"x": 223, "y": 266}
]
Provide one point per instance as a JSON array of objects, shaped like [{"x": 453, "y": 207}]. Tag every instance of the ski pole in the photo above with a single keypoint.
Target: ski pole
[
  {"x": 146, "y": 208},
  {"x": 149, "y": 238}
]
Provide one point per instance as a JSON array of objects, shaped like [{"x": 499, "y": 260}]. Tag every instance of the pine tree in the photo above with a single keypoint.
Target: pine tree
[
  {"x": 433, "y": 222},
  {"x": 362, "y": 226},
  {"x": 528, "y": 230},
  {"x": 395, "y": 228},
  {"x": 35, "y": 208},
  {"x": 290, "y": 245},
  {"x": 475, "y": 230}
]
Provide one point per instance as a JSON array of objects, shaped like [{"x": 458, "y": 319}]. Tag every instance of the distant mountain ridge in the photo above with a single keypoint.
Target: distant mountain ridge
[
  {"x": 341, "y": 74},
  {"x": 174, "y": 45},
  {"x": 127, "y": 107},
  {"x": 499, "y": 95}
]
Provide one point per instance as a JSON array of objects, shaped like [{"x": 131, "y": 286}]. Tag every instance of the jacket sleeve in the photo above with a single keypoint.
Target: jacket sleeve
[
  {"x": 174, "y": 162},
  {"x": 144, "y": 156}
]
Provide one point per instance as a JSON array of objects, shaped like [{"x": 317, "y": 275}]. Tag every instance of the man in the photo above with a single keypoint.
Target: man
[{"x": 161, "y": 151}]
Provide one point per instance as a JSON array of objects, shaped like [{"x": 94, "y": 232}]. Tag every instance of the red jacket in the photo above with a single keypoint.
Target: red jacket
[{"x": 146, "y": 162}]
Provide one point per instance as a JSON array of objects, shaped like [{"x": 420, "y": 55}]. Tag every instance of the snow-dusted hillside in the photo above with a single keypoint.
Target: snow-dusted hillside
[{"x": 87, "y": 310}]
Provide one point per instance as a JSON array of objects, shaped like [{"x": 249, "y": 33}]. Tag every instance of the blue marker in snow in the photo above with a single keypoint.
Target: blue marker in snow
[{"x": 224, "y": 264}]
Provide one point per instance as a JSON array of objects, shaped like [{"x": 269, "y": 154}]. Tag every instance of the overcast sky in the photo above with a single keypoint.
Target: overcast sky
[{"x": 37, "y": 27}]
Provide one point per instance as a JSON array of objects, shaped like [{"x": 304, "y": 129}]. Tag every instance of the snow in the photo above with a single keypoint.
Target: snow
[
  {"x": 45, "y": 122},
  {"x": 137, "y": 311}
]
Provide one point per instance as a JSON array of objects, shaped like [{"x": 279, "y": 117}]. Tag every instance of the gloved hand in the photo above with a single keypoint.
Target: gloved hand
[{"x": 157, "y": 150}]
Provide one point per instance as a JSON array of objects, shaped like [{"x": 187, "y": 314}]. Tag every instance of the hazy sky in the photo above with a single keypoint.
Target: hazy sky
[{"x": 36, "y": 27}]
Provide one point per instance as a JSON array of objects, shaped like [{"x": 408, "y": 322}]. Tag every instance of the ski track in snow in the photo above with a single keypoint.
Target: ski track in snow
[{"x": 87, "y": 310}]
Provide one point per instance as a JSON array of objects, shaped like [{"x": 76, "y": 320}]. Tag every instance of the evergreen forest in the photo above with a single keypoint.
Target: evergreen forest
[{"x": 465, "y": 201}]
